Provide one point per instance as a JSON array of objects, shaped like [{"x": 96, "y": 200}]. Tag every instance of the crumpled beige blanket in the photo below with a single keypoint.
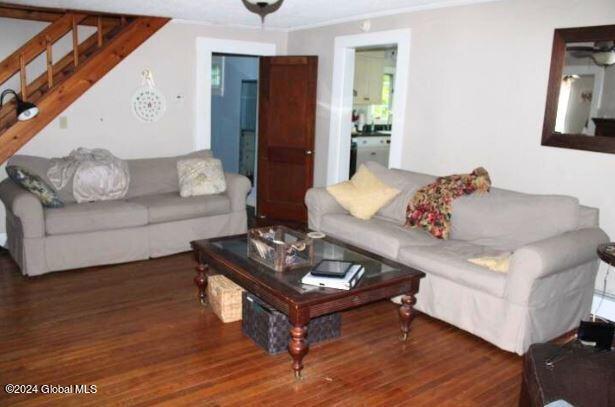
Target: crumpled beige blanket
[{"x": 97, "y": 175}]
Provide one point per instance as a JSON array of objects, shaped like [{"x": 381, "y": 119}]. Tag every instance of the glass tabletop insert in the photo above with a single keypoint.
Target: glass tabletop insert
[{"x": 237, "y": 249}]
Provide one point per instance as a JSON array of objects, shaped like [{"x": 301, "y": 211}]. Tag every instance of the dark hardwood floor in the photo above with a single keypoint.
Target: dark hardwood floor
[{"x": 138, "y": 333}]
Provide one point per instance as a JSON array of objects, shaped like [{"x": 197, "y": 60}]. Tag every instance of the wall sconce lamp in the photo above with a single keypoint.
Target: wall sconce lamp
[{"x": 25, "y": 110}]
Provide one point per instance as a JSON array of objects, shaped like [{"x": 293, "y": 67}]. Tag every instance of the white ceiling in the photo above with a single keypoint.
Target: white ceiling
[{"x": 292, "y": 15}]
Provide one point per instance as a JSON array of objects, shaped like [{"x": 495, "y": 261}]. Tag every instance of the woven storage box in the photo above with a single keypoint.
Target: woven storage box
[
  {"x": 225, "y": 298},
  {"x": 270, "y": 329}
]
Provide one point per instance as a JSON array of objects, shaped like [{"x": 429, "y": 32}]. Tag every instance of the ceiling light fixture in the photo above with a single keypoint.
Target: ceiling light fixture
[{"x": 262, "y": 7}]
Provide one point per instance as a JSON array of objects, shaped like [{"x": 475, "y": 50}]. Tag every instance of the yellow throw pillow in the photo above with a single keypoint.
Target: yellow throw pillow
[
  {"x": 500, "y": 264},
  {"x": 363, "y": 195}
]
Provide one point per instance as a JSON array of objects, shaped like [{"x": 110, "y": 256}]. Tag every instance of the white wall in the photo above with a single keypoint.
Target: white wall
[
  {"x": 476, "y": 95},
  {"x": 102, "y": 116}
]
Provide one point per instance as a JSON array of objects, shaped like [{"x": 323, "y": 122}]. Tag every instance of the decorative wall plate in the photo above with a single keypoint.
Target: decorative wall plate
[{"x": 148, "y": 103}]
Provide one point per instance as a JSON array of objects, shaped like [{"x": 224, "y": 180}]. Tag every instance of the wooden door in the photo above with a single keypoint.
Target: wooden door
[{"x": 287, "y": 114}]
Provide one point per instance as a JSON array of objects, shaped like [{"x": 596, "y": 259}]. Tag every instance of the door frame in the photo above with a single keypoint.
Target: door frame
[
  {"x": 338, "y": 164},
  {"x": 598, "y": 86},
  {"x": 205, "y": 48}
]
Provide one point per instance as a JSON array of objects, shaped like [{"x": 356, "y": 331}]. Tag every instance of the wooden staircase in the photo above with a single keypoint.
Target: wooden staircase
[{"x": 69, "y": 76}]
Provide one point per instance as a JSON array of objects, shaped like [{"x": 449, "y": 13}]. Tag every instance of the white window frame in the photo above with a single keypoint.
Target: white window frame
[{"x": 220, "y": 61}]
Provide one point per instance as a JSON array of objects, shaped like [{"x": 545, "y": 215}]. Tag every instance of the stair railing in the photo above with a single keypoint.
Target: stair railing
[{"x": 43, "y": 42}]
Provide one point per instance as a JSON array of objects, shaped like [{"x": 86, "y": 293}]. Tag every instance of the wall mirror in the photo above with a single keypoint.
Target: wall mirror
[{"x": 580, "y": 110}]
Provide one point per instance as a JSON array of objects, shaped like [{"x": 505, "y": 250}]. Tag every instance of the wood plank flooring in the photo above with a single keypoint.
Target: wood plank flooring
[{"x": 138, "y": 333}]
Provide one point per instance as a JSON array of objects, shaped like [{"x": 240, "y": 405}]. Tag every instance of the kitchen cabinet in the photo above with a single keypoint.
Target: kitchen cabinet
[{"x": 368, "y": 73}]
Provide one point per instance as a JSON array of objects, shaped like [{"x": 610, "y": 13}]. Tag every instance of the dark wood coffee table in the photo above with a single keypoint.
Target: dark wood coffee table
[{"x": 383, "y": 278}]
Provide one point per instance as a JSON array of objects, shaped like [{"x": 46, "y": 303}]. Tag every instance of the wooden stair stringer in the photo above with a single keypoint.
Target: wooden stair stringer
[{"x": 56, "y": 100}]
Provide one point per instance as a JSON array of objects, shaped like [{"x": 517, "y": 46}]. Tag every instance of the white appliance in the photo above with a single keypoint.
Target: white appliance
[{"x": 372, "y": 148}]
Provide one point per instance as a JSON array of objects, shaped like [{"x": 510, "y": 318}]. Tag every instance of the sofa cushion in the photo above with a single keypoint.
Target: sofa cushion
[
  {"x": 376, "y": 235},
  {"x": 94, "y": 216},
  {"x": 449, "y": 259},
  {"x": 507, "y": 220},
  {"x": 407, "y": 182},
  {"x": 149, "y": 176},
  {"x": 171, "y": 207}
]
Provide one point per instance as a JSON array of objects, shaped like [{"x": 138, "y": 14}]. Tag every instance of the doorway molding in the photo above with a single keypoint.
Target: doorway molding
[
  {"x": 338, "y": 164},
  {"x": 597, "y": 91},
  {"x": 205, "y": 48}
]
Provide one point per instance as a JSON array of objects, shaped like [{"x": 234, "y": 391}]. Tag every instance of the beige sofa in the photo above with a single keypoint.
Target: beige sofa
[
  {"x": 548, "y": 288},
  {"x": 151, "y": 221}
]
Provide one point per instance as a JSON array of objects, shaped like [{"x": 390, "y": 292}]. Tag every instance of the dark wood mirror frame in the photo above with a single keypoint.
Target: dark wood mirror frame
[{"x": 574, "y": 141}]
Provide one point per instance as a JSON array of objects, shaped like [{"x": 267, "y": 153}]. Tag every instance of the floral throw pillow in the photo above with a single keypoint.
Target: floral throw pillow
[
  {"x": 35, "y": 184},
  {"x": 200, "y": 176},
  {"x": 431, "y": 206}
]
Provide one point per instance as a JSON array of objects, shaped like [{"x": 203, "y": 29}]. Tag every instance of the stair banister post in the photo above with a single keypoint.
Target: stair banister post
[
  {"x": 49, "y": 63},
  {"x": 75, "y": 42},
  {"x": 99, "y": 33},
  {"x": 22, "y": 78}
]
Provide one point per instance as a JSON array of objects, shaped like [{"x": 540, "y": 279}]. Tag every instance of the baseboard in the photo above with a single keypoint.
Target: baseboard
[
  {"x": 2, "y": 239},
  {"x": 607, "y": 307}
]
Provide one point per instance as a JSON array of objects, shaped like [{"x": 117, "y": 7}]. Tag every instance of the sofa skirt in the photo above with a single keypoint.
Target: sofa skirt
[{"x": 40, "y": 255}]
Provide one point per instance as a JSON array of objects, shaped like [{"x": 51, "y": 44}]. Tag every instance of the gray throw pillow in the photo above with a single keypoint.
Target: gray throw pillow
[{"x": 34, "y": 184}]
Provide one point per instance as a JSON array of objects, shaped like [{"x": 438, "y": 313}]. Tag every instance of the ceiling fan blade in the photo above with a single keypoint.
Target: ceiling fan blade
[
  {"x": 581, "y": 54},
  {"x": 605, "y": 46},
  {"x": 580, "y": 48}
]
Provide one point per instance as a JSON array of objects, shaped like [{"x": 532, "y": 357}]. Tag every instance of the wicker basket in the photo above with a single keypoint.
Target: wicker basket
[
  {"x": 270, "y": 329},
  {"x": 225, "y": 298}
]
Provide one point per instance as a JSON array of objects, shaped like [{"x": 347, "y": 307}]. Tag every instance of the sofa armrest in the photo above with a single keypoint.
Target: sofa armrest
[
  {"x": 237, "y": 189},
  {"x": 319, "y": 203},
  {"x": 549, "y": 257},
  {"x": 24, "y": 205}
]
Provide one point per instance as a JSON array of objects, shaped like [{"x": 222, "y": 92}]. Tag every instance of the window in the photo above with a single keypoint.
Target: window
[
  {"x": 382, "y": 113},
  {"x": 217, "y": 75}
]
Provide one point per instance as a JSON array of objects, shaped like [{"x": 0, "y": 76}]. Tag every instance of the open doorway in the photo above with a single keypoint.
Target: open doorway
[
  {"x": 206, "y": 50},
  {"x": 372, "y": 108},
  {"x": 346, "y": 48},
  {"x": 234, "y": 84}
]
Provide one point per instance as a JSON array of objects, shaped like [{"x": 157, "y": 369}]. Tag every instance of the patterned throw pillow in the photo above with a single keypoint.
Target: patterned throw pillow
[
  {"x": 34, "y": 184},
  {"x": 200, "y": 176},
  {"x": 431, "y": 206}
]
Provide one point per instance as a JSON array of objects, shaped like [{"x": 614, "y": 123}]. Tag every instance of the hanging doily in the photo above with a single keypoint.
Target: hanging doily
[{"x": 148, "y": 102}]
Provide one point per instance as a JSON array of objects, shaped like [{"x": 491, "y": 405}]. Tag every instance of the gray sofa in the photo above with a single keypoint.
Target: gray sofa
[
  {"x": 548, "y": 288},
  {"x": 151, "y": 221}
]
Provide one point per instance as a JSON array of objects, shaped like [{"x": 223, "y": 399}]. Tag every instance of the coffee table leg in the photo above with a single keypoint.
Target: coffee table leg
[
  {"x": 298, "y": 348},
  {"x": 406, "y": 314},
  {"x": 201, "y": 282}
]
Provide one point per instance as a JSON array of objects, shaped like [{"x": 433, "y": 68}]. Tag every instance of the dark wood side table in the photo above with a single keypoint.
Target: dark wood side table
[
  {"x": 283, "y": 290},
  {"x": 575, "y": 373}
]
